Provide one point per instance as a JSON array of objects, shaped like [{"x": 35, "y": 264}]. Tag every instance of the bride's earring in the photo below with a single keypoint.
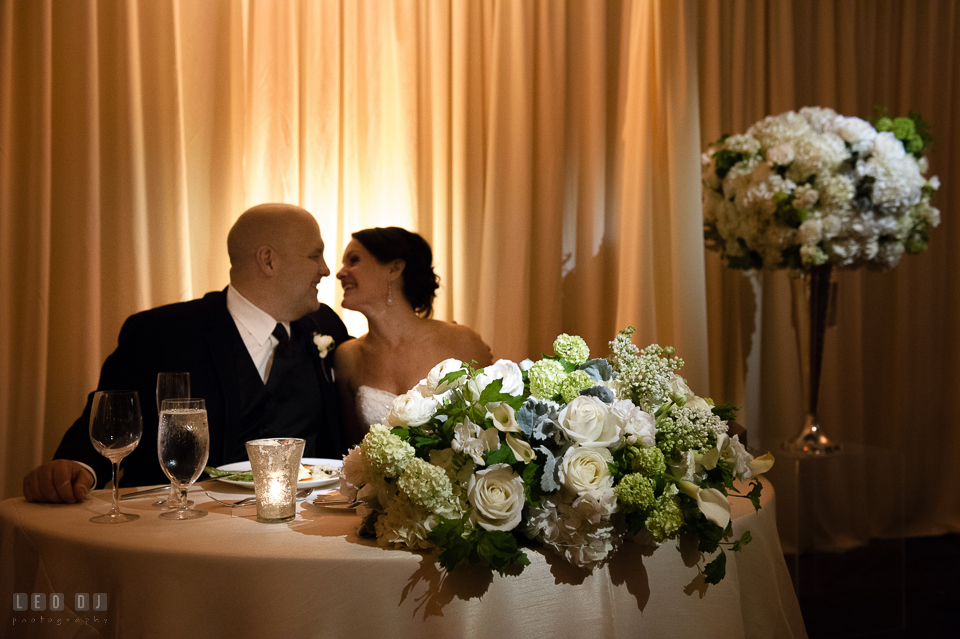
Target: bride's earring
[{"x": 389, "y": 295}]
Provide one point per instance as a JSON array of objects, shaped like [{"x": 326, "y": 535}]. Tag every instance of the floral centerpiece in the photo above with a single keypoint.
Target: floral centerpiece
[
  {"x": 575, "y": 453},
  {"x": 800, "y": 190},
  {"x": 813, "y": 191}
]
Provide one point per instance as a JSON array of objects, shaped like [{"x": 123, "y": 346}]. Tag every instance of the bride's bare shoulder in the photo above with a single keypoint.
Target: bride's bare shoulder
[
  {"x": 463, "y": 343},
  {"x": 347, "y": 355}
]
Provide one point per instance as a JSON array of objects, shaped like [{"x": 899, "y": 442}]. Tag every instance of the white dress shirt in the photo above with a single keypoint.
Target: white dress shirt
[{"x": 256, "y": 329}]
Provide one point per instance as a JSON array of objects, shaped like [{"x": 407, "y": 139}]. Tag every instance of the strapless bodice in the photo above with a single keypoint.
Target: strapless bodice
[{"x": 373, "y": 404}]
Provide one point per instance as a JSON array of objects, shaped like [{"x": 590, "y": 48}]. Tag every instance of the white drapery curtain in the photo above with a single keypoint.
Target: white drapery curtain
[{"x": 548, "y": 151}]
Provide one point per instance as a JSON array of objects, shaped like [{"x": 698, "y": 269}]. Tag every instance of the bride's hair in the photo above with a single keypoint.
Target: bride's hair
[{"x": 390, "y": 243}]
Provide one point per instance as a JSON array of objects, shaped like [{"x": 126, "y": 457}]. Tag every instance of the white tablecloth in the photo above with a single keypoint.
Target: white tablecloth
[{"x": 226, "y": 575}]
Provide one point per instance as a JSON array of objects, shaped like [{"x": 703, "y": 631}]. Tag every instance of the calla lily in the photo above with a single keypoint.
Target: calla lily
[
  {"x": 711, "y": 502},
  {"x": 709, "y": 459},
  {"x": 521, "y": 449},
  {"x": 761, "y": 464},
  {"x": 504, "y": 418}
]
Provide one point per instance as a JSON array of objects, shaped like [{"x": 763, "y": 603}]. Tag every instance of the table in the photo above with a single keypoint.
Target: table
[{"x": 226, "y": 575}]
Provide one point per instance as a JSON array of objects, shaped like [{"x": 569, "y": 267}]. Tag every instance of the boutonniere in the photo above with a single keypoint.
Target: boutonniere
[{"x": 324, "y": 344}]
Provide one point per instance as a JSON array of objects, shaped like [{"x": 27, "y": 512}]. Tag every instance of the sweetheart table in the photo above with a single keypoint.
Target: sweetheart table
[{"x": 226, "y": 575}]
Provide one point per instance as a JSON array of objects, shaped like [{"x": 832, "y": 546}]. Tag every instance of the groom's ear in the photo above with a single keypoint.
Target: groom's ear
[{"x": 266, "y": 259}]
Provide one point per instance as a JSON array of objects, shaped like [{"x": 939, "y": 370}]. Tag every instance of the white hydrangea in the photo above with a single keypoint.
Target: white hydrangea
[
  {"x": 827, "y": 188},
  {"x": 577, "y": 528}
]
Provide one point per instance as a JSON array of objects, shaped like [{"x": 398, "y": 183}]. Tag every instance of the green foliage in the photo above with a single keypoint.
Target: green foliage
[
  {"x": 716, "y": 570},
  {"x": 785, "y": 213},
  {"x": 727, "y": 412},
  {"x": 726, "y": 159},
  {"x": 745, "y": 539},
  {"x": 502, "y": 455},
  {"x": 460, "y": 542},
  {"x": 754, "y": 494},
  {"x": 532, "y": 476},
  {"x": 751, "y": 260}
]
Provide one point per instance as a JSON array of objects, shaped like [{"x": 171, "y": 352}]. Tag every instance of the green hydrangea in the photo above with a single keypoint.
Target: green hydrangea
[
  {"x": 384, "y": 452},
  {"x": 635, "y": 492},
  {"x": 903, "y": 128},
  {"x": 545, "y": 378},
  {"x": 646, "y": 460},
  {"x": 666, "y": 518},
  {"x": 426, "y": 485},
  {"x": 571, "y": 348},
  {"x": 574, "y": 383}
]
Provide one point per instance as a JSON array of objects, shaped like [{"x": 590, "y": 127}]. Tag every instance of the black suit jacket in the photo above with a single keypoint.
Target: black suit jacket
[{"x": 199, "y": 337}]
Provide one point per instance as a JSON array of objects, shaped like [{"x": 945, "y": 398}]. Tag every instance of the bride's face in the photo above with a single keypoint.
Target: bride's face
[{"x": 363, "y": 278}]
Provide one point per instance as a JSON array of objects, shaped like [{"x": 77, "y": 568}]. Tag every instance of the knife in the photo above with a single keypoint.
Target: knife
[{"x": 150, "y": 491}]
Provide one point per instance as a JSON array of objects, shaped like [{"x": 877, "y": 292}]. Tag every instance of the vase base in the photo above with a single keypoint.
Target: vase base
[{"x": 811, "y": 441}]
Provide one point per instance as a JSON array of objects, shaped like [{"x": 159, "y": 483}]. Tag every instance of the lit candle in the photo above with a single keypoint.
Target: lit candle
[{"x": 275, "y": 464}]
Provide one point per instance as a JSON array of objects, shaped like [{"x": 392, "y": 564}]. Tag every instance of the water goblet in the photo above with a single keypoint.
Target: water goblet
[
  {"x": 183, "y": 445},
  {"x": 171, "y": 386},
  {"x": 115, "y": 430}
]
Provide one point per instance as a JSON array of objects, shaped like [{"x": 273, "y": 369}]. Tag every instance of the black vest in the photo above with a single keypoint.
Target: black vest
[{"x": 290, "y": 404}]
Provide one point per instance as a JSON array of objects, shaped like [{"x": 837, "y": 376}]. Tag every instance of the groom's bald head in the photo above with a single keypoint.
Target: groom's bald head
[{"x": 276, "y": 259}]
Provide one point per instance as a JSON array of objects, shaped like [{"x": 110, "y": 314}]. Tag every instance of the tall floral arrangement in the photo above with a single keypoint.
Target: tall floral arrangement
[
  {"x": 807, "y": 189},
  {"x": 574, "y": 453}
]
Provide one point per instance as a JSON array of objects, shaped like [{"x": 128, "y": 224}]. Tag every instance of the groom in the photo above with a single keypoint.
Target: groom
[{"x": 249, "y": 350}]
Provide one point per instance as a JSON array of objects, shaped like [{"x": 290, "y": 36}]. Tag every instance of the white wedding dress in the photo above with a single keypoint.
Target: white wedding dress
[{"x": 373, "y": 404}]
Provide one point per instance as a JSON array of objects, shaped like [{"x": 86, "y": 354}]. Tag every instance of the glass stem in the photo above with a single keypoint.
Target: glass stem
[
  {"x": 183, "y": 499},
  {"x": 116, "y": 487}
]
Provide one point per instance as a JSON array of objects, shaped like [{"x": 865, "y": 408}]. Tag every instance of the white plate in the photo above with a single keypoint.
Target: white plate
[{"x": 306, "y": 461}]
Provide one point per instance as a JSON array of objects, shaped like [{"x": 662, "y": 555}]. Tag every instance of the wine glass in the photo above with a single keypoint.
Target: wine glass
[
  {"x": 183, "y": 445},
  {"x": 171, "y": 386},
  {"x": 115, "y": 430}
]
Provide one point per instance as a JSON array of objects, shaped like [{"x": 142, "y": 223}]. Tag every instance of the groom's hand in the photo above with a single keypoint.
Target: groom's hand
[{"x": 60, "y": 481}]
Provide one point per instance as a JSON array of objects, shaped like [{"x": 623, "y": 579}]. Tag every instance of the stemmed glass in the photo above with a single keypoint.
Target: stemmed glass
[
  {"x": 172, "y": 386},
  {"x": 183, "y": 445},
  {"x": 115, "y": 430}
]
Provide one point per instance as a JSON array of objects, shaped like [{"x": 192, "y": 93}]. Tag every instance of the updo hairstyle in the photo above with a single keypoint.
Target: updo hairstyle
[{"x": 390, "y": 243}]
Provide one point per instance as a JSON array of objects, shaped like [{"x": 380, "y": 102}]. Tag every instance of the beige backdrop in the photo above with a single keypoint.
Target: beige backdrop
[{"x": 549, "y": 151}]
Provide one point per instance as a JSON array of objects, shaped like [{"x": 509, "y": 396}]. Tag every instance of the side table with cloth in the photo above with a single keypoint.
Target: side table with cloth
[{"x": 228, "y": 576}]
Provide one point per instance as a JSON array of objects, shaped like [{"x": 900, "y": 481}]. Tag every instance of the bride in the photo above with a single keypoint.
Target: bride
[{"x": 388, "y": 276}]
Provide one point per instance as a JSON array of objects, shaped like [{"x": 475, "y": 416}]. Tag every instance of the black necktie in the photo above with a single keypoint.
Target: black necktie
[{"x": 283, "y": 347}]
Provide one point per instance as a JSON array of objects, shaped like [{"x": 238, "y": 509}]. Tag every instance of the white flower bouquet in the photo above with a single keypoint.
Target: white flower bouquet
[
  {"x": 802, "y": 190},
  {"x": 575, "y": 453}
]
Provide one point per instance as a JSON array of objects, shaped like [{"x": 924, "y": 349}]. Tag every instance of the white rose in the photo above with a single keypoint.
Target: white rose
[
  {"x": 832, "y": 225},
  {"x": 781, "y": 154},
  {"x": 496, "y": 494},
  {"x": 503, "y": 369},
  {"x": 810, "y": 232},
  {"x": 430, "y": 385},
  {"x": 583, "y": 469},
  {"x": 411, "y": 409},
  {"x": 588, "y": 422},
  {"x": 854, "y": 129},
  {"x": 323, "y": 343},
  {"x": 886, "y": 146},
  {"x": 678, "y": 386}
]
